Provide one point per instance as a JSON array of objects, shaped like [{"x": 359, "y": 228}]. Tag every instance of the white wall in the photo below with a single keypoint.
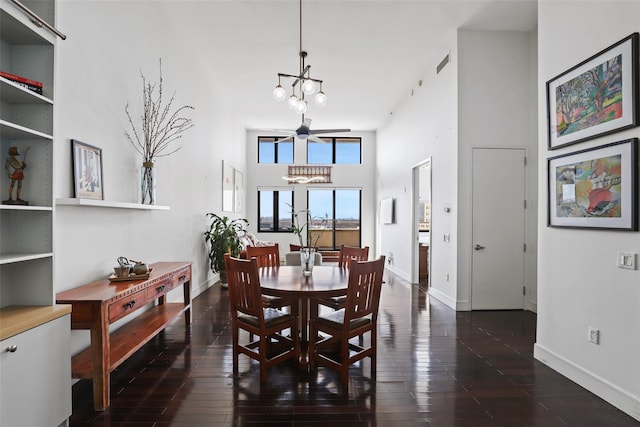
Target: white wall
[
  {"x": 578, "y": 283},
  {"x": 343, "y": 176},
  {"x": 97, "y": 73},
  {"x": 496, "y": 74},
  {"x": 421, "y": 126},
  {"x": 452, "y": 112}
]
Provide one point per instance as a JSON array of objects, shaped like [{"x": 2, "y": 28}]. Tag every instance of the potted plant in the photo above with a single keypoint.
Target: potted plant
[{"x": 223, "y": 236}]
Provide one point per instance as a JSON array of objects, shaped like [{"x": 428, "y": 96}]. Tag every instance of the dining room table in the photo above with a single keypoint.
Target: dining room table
[{"x": 289, "y": 282}]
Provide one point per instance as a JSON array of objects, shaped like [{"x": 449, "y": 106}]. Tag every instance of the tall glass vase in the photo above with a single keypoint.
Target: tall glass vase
[
  {"x": 307, "y": 259},
  {"x": 147, "y": 184}
]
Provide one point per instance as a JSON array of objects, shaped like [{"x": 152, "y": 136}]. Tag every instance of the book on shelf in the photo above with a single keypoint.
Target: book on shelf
[{"x": 32, "y": 85}]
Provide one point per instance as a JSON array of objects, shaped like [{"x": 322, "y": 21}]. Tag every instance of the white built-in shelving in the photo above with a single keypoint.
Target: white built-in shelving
[
  {"x": 108, "y": 204},
  {"x": 34, "y": 331}
]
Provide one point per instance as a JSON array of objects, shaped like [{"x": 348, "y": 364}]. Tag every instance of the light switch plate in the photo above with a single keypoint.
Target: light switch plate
[{"x": 627, "y": 260}]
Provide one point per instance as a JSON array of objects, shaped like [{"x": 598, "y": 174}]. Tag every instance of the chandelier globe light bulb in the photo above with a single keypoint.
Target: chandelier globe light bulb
[
  {"x": 293, "y": 102},
  {"x": 308, "y": 86},
  {"x": 301, "y": 107},
  {"x": 279, "y": 94},
  {"x": 320, "y": 99}
]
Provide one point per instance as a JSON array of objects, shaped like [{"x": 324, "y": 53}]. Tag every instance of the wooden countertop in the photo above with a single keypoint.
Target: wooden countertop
[{"x": 20, "y": 318}]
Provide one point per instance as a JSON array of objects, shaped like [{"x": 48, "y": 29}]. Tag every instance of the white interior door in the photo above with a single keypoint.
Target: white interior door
[{"x": 498, "y": 229}]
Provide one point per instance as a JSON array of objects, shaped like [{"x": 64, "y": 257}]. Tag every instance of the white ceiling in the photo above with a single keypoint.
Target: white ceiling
[{"x": 369, "y": 53}]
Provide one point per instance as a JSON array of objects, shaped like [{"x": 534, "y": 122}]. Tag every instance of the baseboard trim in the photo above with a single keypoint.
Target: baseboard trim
[
  {"x": 197, "y": 290},
  {"x": 397, "y": 272},
  {"x": 619, "y": 398},
  {"x": 442, "y": 297}
]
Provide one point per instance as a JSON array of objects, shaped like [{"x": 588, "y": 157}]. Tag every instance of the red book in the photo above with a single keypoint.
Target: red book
[{"x": 20, "y": 79}]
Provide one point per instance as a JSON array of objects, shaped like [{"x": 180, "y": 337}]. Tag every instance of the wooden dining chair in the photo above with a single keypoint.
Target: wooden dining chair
[
  {"x": 269, "y": 257},
  {"x": 347, "y": 254},
  {"x": 249, "y": 314},
  {"x": 358, "y": 317}
]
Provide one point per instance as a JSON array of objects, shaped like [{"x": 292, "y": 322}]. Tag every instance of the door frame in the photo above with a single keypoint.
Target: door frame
[{"x": 415, "y": 232}]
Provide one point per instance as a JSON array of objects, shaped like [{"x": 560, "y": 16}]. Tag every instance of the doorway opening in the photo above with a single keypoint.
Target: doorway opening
[{"x": 421, "y": 238}]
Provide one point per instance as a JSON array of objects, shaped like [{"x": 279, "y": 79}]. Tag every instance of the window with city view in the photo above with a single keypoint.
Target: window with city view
[
  {"x": 271, "y": 150},
  {"x": 274, "y": 210},
  {"x": 342, "y": 208},
  {"x": 346, "y": 151}
]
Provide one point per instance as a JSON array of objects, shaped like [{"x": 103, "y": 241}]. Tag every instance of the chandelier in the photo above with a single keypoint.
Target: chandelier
[{"x": 302, "y": 84}]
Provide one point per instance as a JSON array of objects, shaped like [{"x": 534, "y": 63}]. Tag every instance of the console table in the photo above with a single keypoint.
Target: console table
[{"x": 96, "y": 305}]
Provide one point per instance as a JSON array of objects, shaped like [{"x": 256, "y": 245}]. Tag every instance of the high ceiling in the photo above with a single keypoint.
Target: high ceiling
[{"x": 369, "y": 53}]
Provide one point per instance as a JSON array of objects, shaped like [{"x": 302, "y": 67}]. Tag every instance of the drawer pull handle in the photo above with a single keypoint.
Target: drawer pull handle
[
  {"x": 160, "y": 289},
  {"x": 129, "y": 304},
  {"x": 184, "y": 276},
  {"x": 12, "y": 348}
]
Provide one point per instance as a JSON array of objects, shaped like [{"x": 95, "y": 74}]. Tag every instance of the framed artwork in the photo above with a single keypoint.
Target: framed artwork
[
  {"x": 227, "y": 187},
  {"x": 238, "y": 190},
  {"x": 596, "y": 97},
  {"x": 87, "y": 171},
  {"x": 595, "y": 188}
]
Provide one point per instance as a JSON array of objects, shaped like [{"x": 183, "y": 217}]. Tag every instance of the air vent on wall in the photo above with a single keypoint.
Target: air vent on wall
[{"x": 442, "y": 64}]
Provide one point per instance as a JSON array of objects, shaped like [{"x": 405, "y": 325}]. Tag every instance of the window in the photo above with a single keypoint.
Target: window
[
  {"x": 274, "y": 213},
  {"x": 270, "y": 150},
  {"x": 346, "y": 151},
  {"x": 342, "y": 207}
]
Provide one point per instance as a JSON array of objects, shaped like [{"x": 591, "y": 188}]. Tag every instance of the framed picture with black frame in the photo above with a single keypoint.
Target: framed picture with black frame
[
  {"x": 599, "y": 96},
  {"x": 595, "y": 188},
  {"x": 87, "y": 171}
]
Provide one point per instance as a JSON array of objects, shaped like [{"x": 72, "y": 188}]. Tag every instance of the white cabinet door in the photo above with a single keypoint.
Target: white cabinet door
[{"x": 35, "y": 379}]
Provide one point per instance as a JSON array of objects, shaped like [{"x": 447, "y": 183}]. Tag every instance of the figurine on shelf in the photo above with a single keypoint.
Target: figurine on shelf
[{"x": 15, "y": 171}]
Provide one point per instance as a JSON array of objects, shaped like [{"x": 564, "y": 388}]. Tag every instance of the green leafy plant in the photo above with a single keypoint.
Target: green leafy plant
[{"x": 223, "y": 236}]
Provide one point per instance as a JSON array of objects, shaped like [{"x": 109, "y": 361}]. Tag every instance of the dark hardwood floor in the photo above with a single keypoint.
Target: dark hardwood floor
[{"x": 436, "y": 367}]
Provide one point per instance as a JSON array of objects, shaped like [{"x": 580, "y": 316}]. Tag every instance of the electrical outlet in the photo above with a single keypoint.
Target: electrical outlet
[
  {"x": 594, "y": 335},
  {"x": 446, "y": 276},
  {"x": 446, "y": 237}
]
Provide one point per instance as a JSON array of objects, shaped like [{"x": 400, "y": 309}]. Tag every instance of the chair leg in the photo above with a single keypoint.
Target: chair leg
[
  {"x": 344, "y": 363},
  {"x": 235, "y": 350},
  {"x": 312, "y": 344},
  {"x": 263, "y": 358},
  {"x": 374, "y": 337}
]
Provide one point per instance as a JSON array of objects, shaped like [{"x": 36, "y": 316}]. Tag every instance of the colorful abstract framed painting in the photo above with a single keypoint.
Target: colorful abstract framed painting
[
  {"x": 596, "y": 97},
  {"x": 595, "y": 188},
  {"x": 87, "y": 171}
]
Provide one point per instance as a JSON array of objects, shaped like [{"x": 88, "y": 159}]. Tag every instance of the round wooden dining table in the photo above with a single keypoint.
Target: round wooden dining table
[{"x": 289, "y": 282}]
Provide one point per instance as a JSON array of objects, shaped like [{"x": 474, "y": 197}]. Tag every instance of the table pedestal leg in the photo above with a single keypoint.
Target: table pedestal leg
[{"x": 303, "y": 360}]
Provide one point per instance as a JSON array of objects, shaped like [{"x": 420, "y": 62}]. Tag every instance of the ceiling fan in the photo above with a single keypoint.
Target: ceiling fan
[{"x": 305, "y": 133}]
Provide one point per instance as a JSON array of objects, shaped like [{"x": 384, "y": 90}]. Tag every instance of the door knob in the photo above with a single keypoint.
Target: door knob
[{"x": 478, "y": 247}]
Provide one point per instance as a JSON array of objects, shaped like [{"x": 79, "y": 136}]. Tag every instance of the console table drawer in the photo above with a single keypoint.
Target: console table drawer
[
  {"x": 181, "y": 277},
  {"x": 159, "y": 289},
  {"x": 127, "y": 305}
]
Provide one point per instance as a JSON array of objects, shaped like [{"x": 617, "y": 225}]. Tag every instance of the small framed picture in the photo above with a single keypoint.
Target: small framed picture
[
  {"x": 596, "y": 97},
  {"x": 238, "y": 192},
  {"x": 227, "y": 187},
  {"x": 87, "y": 171},
  {"x": 595, "y": 188}
]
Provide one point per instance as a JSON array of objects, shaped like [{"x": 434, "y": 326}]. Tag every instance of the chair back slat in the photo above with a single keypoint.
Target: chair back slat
[
  {"x": 267, "y": 256},
  {"x": 365, "y": 285},
  {"x": 349, "y": 253},
  {"x": 244, "y": 286}
]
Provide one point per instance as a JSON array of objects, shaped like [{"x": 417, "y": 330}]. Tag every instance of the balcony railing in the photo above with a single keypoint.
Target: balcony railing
[{"x": 346, "y": 236}]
